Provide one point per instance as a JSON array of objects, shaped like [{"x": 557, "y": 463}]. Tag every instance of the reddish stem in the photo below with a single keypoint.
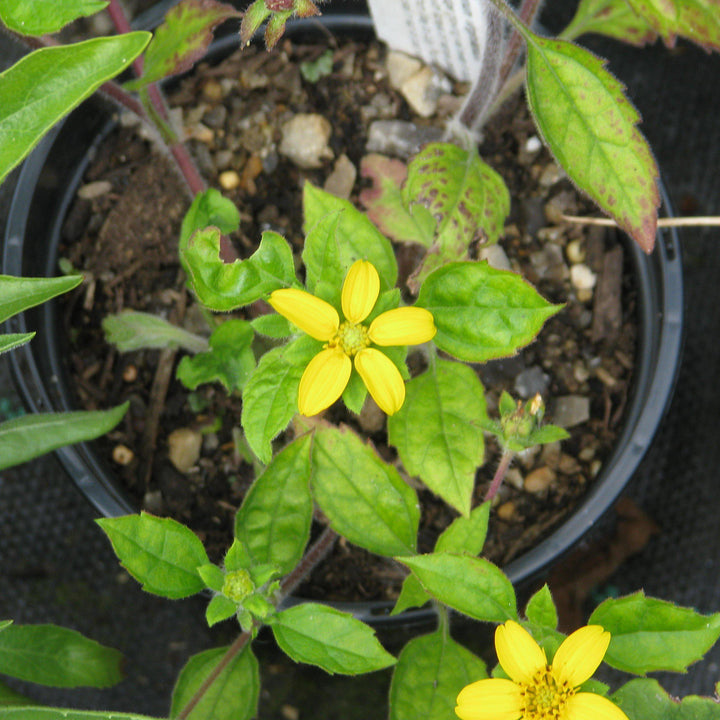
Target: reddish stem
[
  {"x": 527, "y": 12},
  {"x": 502, "y": 469}
]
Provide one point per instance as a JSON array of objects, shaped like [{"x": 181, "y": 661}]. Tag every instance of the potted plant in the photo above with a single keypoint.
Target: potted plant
[{"x": 248, "y": 586}]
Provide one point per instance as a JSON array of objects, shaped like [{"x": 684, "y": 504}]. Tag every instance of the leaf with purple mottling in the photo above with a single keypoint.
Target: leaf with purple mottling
[
  {"x": 696, "y": 20},
  {"x": 591, "y": 129},
  {"x": 614, "y": 18},
  {"x": 182, "y": 39}
]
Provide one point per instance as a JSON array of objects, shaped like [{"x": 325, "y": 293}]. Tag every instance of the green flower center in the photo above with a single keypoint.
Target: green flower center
[
  {"x": 238, "y": 585},
  {"x": 544, "y": 698},
  {"x": 351, "y": 338}
]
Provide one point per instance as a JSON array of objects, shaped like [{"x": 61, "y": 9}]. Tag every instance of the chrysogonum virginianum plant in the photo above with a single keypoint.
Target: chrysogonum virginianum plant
[{"x": 341, "y": 332}]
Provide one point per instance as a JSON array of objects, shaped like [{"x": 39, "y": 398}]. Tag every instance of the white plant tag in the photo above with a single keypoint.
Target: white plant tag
[{"x": 450, "y": 34}]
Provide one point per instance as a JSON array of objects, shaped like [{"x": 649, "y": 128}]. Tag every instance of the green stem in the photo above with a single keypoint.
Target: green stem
[{"x": 502, "y": 469}]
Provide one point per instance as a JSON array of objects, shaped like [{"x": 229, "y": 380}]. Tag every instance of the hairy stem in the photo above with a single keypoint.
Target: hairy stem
[
  {"x": 312, "y": 557},
  {"x": 527, "y": 13},
  {"x": 502, "y": 469},
  {"x": 240, "y": 642}
]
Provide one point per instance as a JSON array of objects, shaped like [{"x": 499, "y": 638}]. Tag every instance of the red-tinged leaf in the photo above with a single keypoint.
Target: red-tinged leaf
[
  {"x": 591, "y": 129},
  {"x": 275, "y": 28},
  {"x": 182, "y": 39},
  {"x": 614, "y": 18},
  {"x": 253, "y": 18},
  {"x": 696, "y": 20}
]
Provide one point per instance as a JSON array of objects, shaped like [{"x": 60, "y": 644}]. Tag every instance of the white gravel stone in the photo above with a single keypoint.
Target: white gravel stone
[{"x": 305, "y": 140}]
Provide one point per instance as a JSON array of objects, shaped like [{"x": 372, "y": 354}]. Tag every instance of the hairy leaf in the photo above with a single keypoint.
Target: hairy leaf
[
  {"x": 42, "y": 713},
  {"x": 182, "y": 39},
  {"x": 650, "y": 634},
  {"x": 614, "y": 18},
  {"x": 225, "y": 286},
  {"x": 482, "y": 313},
  {"x": 356, "y": 237},
  {"x": 45, "y": 85},
  {"x": 696, "y": 20},
  {"x": 274, "y": 520},
  {"x": 437, "y": 430},
  {"x": 10, "y": 341},
  {"x": 430, "y": 672},
  {"x": 590, "y": 127},
  {"x": 541, "y": 609},
  {"x": 131, "y": 330},
  {"x": 334, "y": 641},
  {"x": 209, "y": 208},
  {"x": 232, "y": 696},
  {"x": 59, "y": 657},
  {"x": 229, "y": 361},
  {"x": 466, "y": 535},
  {"x": 270, "y": 395},
  {"x": 645, "y": 698},
  {"x": 20, "y": 293},
  {"x": 29, "y": 436},
  {"x": 364, "y": 498},
  {"x": 43, "y": 17},
  {"x": 473, "y": 586},
  {"x": 412, "y": 594},
  {"x": 160, "y": 553}
]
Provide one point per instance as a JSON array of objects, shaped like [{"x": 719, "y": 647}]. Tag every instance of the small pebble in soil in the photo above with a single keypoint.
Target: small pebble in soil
[
  {"x": 229, "y": 180},
  {"x": 399, "y": 138},
  {"x": 400, "y": 67},
  {"x": 571, "y": 410},
  {"x": 122, "y": 455},
  {"x": 540, "y": 479},
  {"x": 184, "y": 448},
  {"x": 305, "y": 140},
  {"x": 129, "y": 373},
  {"x": 423, "y": 89}
]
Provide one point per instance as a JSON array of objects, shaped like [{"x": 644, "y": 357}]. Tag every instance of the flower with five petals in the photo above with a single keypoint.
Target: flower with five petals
[
  {"x": 537, "y": 690},
  {"x": 349, "y": 343}
]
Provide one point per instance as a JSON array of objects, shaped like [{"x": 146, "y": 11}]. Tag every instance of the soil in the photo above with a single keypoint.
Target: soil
[{"x": 122, "y": 232}]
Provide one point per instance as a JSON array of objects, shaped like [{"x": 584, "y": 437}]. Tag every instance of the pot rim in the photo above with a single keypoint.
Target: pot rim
[{"x": 660, "y": 319}]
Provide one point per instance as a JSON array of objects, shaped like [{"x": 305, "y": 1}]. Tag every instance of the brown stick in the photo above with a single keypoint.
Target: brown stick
[{"x": 711, "y": 221}]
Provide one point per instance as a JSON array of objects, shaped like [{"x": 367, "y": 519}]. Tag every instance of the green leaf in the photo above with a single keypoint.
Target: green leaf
[
  {"x": 274, "y": 520},
  {"x": 696, "y": 20},
  {"x": 229, "y": 361},
  {"x": 212, "y": 576},
  {"x": 386, "y": 206},
  {"x": 321, "y": 254},
  {"x": 223, "y": 286},
  {"x": 364, "y": 499},
  {"x": 650, "y": 634},
  {"x": 38, "y": 713},
  {"x": 9, "y": 697},
  {"x": 270, "y": 394},
  {"x": 466, "y": 534},
  {"x": 160, "y": 553},
  {"x": 182, "y": 39},
  {"x": 430, "y": 672},
  {"x": 641, "y": 699},
  {"x": 356, "y": 237},
  {"x": 219, "y": 608},
  {"x": 232, "y": 696},
  {"x": 131, "y": 330},
  {"x": 541, "y": 609},
  {"x": 482, "y": 313},
  {"x": 547, "y": 434},
  {"x": 614, "y": 18},
  {"x": 45, "y": 85},
  {"x": 334, "y": 641},
  {"x": 272, "y": 325},
  {"x": 20, "y": 293},
  {"x": 10, "y": 341},
  {"x": 29, "y": 436},
  {"x": 590, "y": 127},
  {"x": 437, "y": 431},
  {"x": 209, "y": 208},
  {"x": 44, "y": 17},
  {"x": 59, "y": 657},
  {"x": 412, "y": 594},
  {"x": 466, "y": 197},
  {"x": 321, "y": 67},
  {"x": 473, "y": 586}
]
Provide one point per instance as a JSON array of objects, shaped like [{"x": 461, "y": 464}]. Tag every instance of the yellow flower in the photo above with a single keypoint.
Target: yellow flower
[
  {"x": 328, "y": 373},
  {"x": 536, "y": 690}
]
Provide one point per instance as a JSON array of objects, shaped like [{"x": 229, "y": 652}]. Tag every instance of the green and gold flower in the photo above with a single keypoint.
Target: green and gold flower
[
  {"x": 536, "y": 690},
  {"x": 349, "y": 343}
]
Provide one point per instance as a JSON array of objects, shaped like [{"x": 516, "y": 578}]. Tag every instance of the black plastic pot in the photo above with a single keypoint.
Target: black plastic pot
[{"x": 46, "y": 186}]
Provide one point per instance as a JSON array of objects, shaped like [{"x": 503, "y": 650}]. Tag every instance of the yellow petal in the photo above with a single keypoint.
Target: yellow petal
[
  {"x": 519, "y": 655},
  {"x": 312, "y": 315},
  {"x": 580, "y": 654},
  {"x": 323, "y": 381},
  {"x": 402, "y": 326},
  {"x": 360, "y": 291},
  {"x": 491, "y": 699},
  {"x": 588, "y": 706},
  {"x": 382, "y": 379}
]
